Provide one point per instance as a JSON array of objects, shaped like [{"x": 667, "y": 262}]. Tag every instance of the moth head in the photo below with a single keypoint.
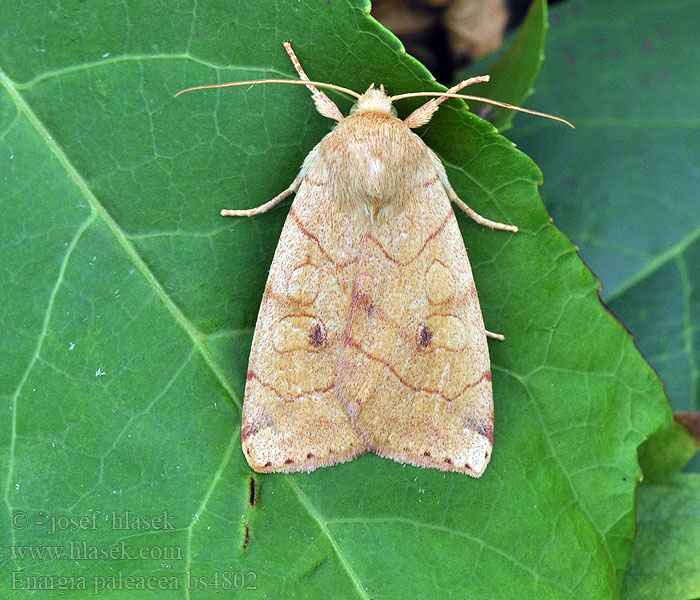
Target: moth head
[{"x": 374, "y": 100}]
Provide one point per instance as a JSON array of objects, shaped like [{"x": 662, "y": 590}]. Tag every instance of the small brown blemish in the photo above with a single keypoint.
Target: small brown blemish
[
  {"x": 249, "y": 375},
  {"x": 468, "y": 467},
  {"x": 268, "y": 464},
  {"x": 246, "y": 535},
  {"x": 448, "y": 461},
  {"x": 310, "y": 455},
  {"x": 426, "y": 454},
  {"x": 425, "y": 336},
  {"x": 289, "y": 461},
  {"x": 317, "y": 337},
  {"x": 253, "y": 491}
]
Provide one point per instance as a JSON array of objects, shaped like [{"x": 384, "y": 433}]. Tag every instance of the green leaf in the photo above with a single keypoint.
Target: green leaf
[
  {"x": 667, "y": 452},
  {"x": 129, "y": 306},
  {"x": 515, "y": 71},
  {"x": 665, "y": 560},
  {"x": 625, "y": 185}
]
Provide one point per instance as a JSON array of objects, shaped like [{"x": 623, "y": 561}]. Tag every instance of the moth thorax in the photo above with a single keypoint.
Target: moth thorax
[{"x": 371, "y": 163}]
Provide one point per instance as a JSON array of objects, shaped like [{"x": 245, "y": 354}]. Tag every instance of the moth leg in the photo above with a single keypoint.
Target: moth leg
[
  {"x": 475, "y": 216},
  {"x": 268, "y": 205},
  {"x": 496, "y": 336}
]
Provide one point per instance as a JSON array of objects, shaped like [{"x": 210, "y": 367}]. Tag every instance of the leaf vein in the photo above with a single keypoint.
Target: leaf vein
[
  {"x": 323, "y": 526},
  {"x": 40, "y": 341}
]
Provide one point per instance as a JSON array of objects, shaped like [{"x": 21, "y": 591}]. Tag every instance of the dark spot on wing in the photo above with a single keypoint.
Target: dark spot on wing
[
  {"x": 425, "y": 336},
  {"x": 317, "y": 336},
  {"x": 248, "y": 430}
]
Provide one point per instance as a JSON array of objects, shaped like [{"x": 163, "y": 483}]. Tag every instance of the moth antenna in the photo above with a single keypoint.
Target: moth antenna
[
  {"x": 324, "y": 104},
  {"x": 212, "y": 86},
  {"x": 422, "y": 114}
]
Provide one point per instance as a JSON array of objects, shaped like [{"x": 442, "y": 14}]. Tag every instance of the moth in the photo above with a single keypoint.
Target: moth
[{"x": 370, "y": 335}]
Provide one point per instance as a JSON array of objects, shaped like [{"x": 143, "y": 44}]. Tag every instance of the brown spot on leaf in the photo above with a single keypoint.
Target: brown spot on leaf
[
  {"x": 317, "y": 337},
  {"x": 289, "y": 461},
  {"x": 310, "y": 455},
  {"x": 246, "y": 535},
  {"x": 691, "y": 421},
  {"x": 252, "y": 491},
  {"x": 268, "y": 464},
  {"x": 448, "y": 461},
  {"x": 426, "y": 453}
]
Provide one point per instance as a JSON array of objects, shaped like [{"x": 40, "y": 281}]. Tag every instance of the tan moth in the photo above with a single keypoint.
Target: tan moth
[{"x": 370, "y": 335}]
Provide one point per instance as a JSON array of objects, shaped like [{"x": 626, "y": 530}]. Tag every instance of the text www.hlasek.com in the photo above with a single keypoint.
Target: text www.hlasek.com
[{"x": 84, "y": 551}]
